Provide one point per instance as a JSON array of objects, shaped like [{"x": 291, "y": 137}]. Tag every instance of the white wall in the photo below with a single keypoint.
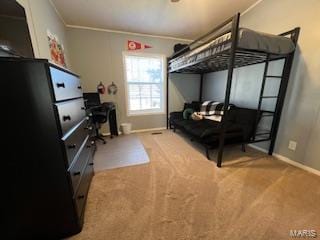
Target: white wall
[
  {"x": 97, "y": 57},
  {"x": 41, "y": 16},
  {"x": 301, "y": 119},
  {"x": 183, "y": 88},
  {"x": 246, "y": 84}
]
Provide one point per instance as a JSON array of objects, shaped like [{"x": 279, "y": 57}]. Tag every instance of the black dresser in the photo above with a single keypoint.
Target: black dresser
[{"x": 47, "y": 154}]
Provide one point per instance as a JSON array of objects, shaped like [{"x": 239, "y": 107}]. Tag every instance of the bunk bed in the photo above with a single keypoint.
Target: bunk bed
[{"x": 227, "y": 47}]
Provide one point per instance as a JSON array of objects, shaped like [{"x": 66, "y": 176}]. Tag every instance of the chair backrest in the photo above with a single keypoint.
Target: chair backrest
[
  {"x": 101, "y": 113},
  {"x": 92, "y": 99}
]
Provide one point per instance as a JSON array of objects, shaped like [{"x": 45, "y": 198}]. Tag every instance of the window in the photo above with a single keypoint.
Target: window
[{"x": 145, "y": 83}]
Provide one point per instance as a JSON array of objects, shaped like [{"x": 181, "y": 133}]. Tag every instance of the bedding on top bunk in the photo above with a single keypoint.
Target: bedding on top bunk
[{"x": 247, "y": 39}]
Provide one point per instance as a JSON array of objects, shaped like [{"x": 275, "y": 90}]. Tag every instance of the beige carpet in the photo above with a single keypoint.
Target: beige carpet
[{"x": 181, "y": 195}]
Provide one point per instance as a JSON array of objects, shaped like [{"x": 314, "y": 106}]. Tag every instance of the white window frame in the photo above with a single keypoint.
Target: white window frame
[{"x": 164, "y": 85}]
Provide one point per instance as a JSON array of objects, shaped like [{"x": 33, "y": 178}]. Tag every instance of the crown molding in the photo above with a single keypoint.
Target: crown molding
[
  {"x": 129, "y": 33},
  {"x": 57, "y": 12},
  {"x": 251, "y": 7}
]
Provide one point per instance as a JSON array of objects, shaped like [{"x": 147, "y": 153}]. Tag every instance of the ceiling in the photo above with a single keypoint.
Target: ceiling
[{"x": 186, "y": 19}]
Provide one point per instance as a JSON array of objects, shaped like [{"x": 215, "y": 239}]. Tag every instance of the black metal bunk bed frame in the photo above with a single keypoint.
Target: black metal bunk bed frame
[{"x": 236, "y": 57}]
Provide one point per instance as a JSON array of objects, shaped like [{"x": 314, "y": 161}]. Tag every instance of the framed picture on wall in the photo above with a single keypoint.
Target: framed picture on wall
[{"x": 56, "y": 50}]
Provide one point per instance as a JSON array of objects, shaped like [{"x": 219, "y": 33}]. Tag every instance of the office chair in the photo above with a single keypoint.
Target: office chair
[{"x": 100, "y": 115}]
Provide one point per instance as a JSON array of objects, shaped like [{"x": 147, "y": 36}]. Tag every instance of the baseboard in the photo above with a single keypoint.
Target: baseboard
[
  {"x": 288, "y": 160},
  {"x": 139, "y": 131},
  {"x": 296, "y": 164},
  {"x": 148, "y": 130},
  {"x": 258, "y": 148},
  {"x": 105, "y": 134}
]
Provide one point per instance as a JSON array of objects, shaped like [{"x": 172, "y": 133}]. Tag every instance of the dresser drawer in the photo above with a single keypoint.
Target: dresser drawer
[
  {"x": 65, "y": 85},
  {"x": 81, "y": 195},
  {"x": 73, "y": 141},
  {"x": 93, "y": 145},
  {"x": 77, "y": 168},
  {"x": 70, "y": 113}
]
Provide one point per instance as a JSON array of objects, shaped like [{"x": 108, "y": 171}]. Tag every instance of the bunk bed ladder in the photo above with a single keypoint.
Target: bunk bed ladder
[
  {"x": 266, "y": 134},
  {"x": 270, "y": 134}
]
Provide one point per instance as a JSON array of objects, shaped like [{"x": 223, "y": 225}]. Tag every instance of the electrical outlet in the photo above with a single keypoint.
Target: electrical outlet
[{"x": 292, "y": 145}]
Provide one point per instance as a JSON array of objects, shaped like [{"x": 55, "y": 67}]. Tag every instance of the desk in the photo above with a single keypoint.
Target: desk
[{"x": 112, "y": 119}]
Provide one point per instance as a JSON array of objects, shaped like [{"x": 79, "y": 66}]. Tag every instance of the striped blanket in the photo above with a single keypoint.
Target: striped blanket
[{"x": 213, "y": 110}]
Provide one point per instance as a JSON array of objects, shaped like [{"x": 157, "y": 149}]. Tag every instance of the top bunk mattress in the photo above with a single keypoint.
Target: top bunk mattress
[
  {"x": 247, "y": 40},
  {"x": 269, "y": 43}
]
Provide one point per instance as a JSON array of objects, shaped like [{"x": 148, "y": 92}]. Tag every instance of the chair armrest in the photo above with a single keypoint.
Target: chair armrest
[
  {"x": 95, "y": 108},
  {"x": 100, "y": 114}
]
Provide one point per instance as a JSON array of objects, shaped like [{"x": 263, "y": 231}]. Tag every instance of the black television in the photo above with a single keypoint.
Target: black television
[{"x": 14, "y": 32}]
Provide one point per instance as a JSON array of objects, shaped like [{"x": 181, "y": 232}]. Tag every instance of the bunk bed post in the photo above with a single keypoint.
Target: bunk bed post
[
  {"x": 282, "y": 91},
  {"x": 201, "y": 87},
  {"x": 234, "y": 42},
  {"x": 167, "y": 95}
]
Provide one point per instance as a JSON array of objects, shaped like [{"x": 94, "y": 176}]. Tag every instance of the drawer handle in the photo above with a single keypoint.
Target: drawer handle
[
  {"x": 91, "y": 164},
  {"x": 81, "y": 197},
  {"x": 72, "y": 146},
  {"x": 76, "y": 173},
  {"x": 79, "y": 87},
  {"x": 65, "y": 118},
  {"x": 59, "y": 85}
]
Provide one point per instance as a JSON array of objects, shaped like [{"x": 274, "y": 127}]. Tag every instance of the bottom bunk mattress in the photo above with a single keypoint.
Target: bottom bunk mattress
[{"x": 240, "y": 125}]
